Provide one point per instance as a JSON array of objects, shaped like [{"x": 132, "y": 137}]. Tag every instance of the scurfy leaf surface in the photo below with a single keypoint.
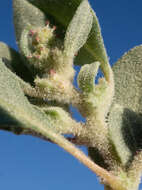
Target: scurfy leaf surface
[
  {"x": 128, "y": 80},
  {"x": 125, "y": 115},
  {"x": 26, "y": 15},
  {"x": 13, "y": 61},
  {"x": 94, "y": 49},
  {"x": 15, "y": 105},
  {"x": 78, "y": 29},
  {"x": 120, "y": 134}
]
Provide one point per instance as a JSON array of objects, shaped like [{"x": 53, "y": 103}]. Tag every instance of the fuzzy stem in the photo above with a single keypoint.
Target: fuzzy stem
[
  {"x": 69, "y": 147},
  {"x": 135, "y": 169}
]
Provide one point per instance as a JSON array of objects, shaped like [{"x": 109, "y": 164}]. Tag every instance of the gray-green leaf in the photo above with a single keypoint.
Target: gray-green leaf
[
  {"x": 120, "y": 134},
  {"x": 78, "y": 29},
  {"x": 125, "y": 120},
  {"x": 25, "y": 14},
  {"x": 15, "y": 106},
  {"x": 60, "y": 13},
  {"x": 86, "y": 77},
  {"x": 13, "y": 61},
  {"x": 128, "y": 80}
]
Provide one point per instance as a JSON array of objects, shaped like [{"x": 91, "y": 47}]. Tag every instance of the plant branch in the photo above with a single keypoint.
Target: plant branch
[
  {"x": 109, "y": 179},
  {"x": 23, "y": 131},
  {"x": 135, "y": 168}
]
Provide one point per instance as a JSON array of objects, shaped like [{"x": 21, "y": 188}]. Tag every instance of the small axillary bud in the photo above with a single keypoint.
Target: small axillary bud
[
  {"x": 52, "y": 72},
  {"x": 32, "y": 32},
  {"x": 29, "y": 56},
  {"x": 37, "y": 56},
  {"x": 47, "y": 23},
  {"x": 37, "y": 39},
  {"x": 76, "y": 54},
  {"x": 41, "y": 48},
  {"x": 54, "y": 28}
]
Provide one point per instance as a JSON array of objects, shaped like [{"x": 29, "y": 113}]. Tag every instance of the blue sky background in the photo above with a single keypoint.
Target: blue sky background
[{"x": 32, "y": 164}]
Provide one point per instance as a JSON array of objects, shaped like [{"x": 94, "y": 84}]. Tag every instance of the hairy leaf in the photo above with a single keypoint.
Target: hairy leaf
[
  {"x": 60, "y": 13},
  {"x": 13, "y": 61},
  {"x": 26, "y": 15},
  {"x": 86, "y": 77},
  {"x": 121, "y": 134},
  {"x": 14, "y": 105},
  {"x": 125, "y": 119},
  {"x": 78, "y": 29},
  {"x": 62, "y": 119},
  {"x": 15, "y": 109},
  {"x": 128, "y": 80}
]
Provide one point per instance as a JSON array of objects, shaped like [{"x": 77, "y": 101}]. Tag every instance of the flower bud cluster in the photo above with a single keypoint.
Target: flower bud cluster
[
  {"x": 55, "y": 70},
  {"x": 43, "y": 43}
]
